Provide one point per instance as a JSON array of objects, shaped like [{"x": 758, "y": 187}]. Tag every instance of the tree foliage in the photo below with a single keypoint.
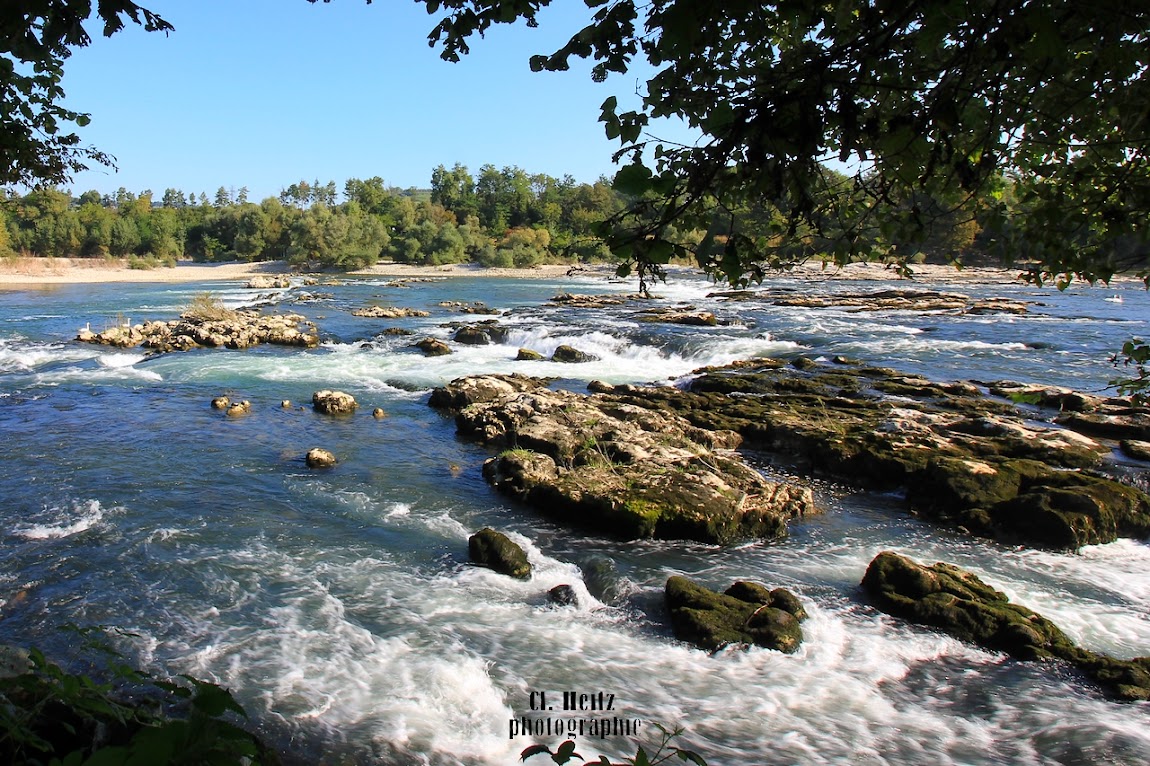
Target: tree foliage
[
  {"x": 36, "y": 37},
  {"x": 939, "y": 101}
]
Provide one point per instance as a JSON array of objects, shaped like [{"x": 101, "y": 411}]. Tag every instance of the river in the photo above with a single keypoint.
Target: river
[{"x": 339, "y": 605}]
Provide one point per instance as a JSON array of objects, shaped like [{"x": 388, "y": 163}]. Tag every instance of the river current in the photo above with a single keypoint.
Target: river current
[{"x": 339, "y": 605}]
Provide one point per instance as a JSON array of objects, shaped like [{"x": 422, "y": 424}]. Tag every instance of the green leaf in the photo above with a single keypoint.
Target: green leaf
[
  {"x": 633, "y": 179},
  {"x": 692, "y": 756}
]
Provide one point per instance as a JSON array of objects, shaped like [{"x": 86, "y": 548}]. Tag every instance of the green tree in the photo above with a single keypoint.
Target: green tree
[
  {"x": 36, "y": 38},
  {"x": 921, "y": 97}
]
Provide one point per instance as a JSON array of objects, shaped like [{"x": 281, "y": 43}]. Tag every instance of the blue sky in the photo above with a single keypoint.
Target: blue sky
[{"x": 263, "y": 93}]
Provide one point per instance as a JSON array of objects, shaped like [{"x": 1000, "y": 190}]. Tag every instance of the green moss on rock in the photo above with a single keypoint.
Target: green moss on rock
[
  {"x": 748, "y": 613},
  {"x": 495, "y": 550}
]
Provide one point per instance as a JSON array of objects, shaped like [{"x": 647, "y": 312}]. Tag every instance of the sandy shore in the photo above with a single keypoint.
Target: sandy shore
[{"x": 24, "y": 272}]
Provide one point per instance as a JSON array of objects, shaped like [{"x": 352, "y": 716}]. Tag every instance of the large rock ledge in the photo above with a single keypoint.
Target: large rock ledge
[
  {"x": 963, "y": 458},
  {"x": 951, "y": 599},
  {"x": 231, "y": 329},
  {"x": 627, "y": 470}
]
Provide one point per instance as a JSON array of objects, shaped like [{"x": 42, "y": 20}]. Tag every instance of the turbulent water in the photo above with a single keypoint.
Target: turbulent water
[{"x": 340, "y": 608}]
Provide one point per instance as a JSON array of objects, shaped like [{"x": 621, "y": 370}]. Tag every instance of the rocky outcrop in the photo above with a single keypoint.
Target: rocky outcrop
[
  {"x": 571, "y": 355},
  {"x": 333, "y": 402},
  {"x": 478, "y": 389},
  {"x": 963, "y": 459},
  {"x": 578, "y": 300},
  {"x": 389, "y": 312},
  {"x": 232, "y": 329},
  {"x": 897, "y": 300},
  {"x": 496, "y": 551},
  {"x": 953, "y": 600},
  {"x": 317, "y": 457},
  {"x": 476, "y": 307},
  {"x": 747, "y": 613},
  {"x": 621, "y": 468},
  {"x": 687, "y": 316},
  {"x": 262, "y": 282},
  {"x": 527, "y": 355}
]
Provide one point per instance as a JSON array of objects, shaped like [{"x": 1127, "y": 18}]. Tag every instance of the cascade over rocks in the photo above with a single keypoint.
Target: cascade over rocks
[
  {"x": 747, "y": 613},
  {"x": 496, "y": 551},
  {"x": 963, "y": 459},
  {"x": 233, "y": 329},
  {"x": 951, "y": 599},
  {"x": 627, "y": 470}
]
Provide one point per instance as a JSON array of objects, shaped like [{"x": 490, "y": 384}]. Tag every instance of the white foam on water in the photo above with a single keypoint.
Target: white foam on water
[
  {"x": 1100, "y": 597},
  {"x": 18, "y": 355},
  {"x": 104, "y": 374},
  {"x": 64, "y": 521}
]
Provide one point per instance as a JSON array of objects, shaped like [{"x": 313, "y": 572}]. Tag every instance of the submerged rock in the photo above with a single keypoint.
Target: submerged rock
[
  {"x": 747, "y": 613},
  {"x": 221, "y": 403},
  {"x": 951, "y": 599},
  {"x": 496, "y": 551},
  {"x": 333, "y": 402}
]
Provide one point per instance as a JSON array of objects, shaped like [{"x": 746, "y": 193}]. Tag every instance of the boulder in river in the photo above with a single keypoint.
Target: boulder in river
[
  {"x": 747, "y": 613},
  {"x": 957, "y": 602},
  {"x": 433, "y": 347},
  {"x": 571, "y": 355},
  {"x": 317, "y": 457},
  {"x": 496, "y": 551},
  {"x": 333, "y": 402}
]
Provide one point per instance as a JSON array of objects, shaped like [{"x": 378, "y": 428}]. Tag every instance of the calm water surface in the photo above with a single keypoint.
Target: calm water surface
[{"x": 339, "y": 605}]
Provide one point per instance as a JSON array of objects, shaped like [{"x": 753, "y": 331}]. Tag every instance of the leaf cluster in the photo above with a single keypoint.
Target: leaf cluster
[
  {"x": 934, "y": 106},
  {"x": 36, "y": 37},
  {"x": 52, "y": 716}
]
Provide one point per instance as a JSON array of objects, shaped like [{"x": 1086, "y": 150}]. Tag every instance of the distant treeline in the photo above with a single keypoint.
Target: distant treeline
[
  {"x": 502, "y": 217},
  {"x": 506, "y": 218}
]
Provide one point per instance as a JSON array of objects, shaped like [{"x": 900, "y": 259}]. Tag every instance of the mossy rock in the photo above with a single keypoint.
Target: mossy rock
[
  {"x": 950, "y": 484},
  {"x": 957, "y": 602},
  {"x": 748, "y": 613},
  {"x": 495, "y": 550}
]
